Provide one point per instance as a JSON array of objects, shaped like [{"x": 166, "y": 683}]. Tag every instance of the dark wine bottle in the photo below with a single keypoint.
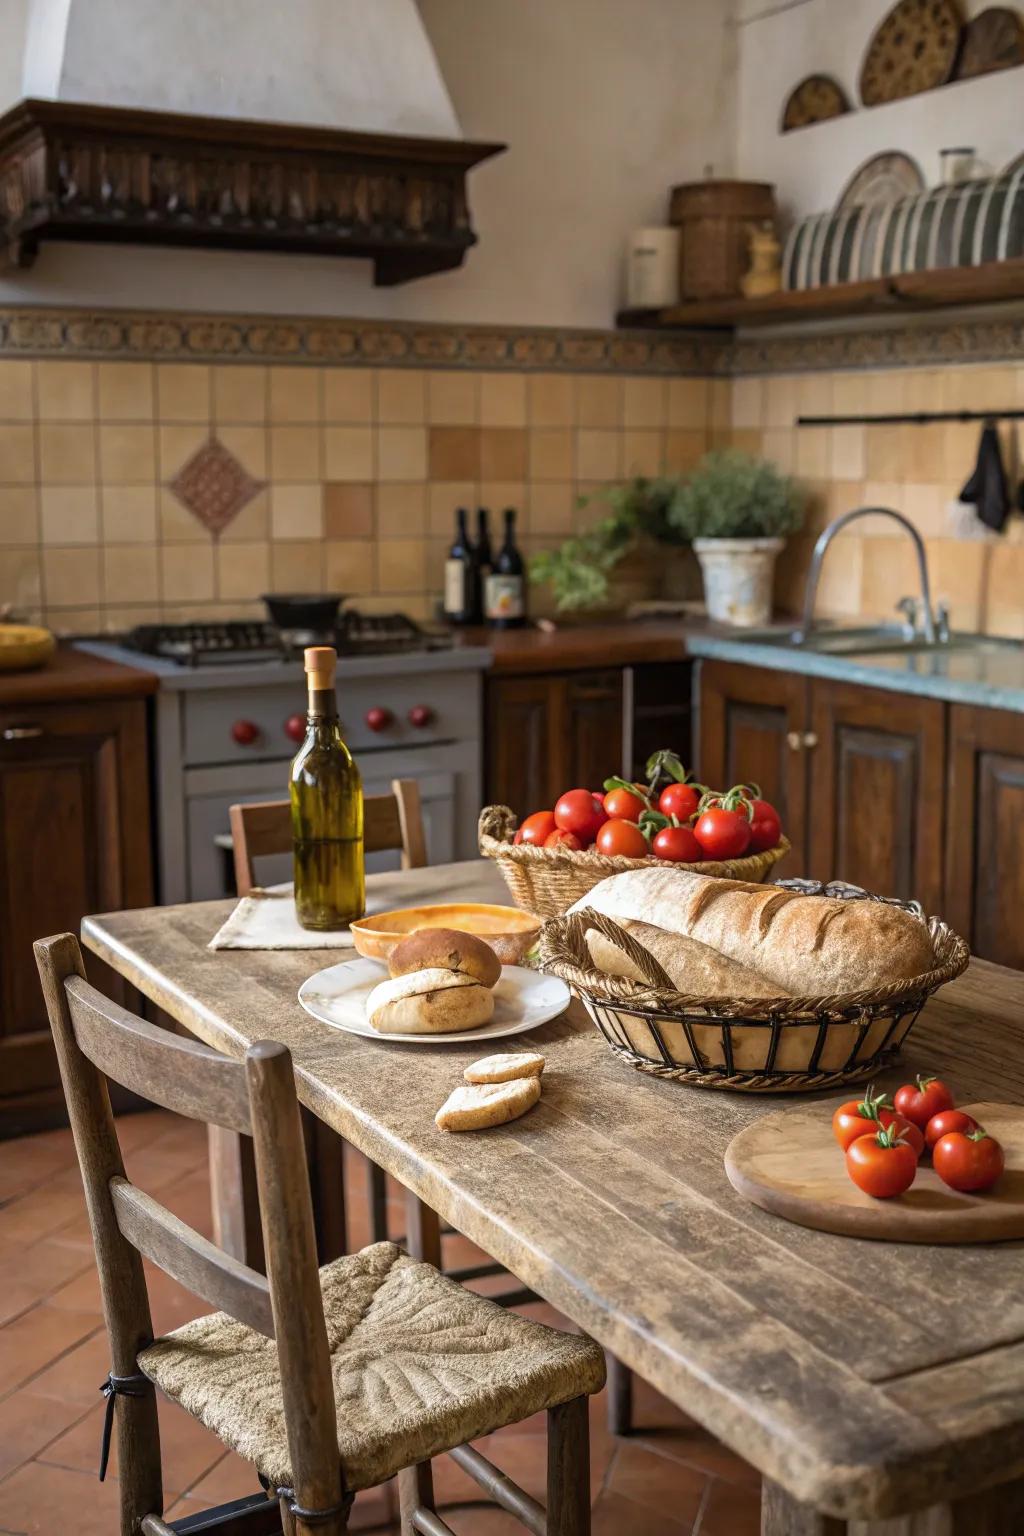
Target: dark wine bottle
[
  {"x": 482, "y": 549},
  {"x": 506, "y": 585},
  {"x": 461, "y": 577},
  {"x": 327, "y": 809}
]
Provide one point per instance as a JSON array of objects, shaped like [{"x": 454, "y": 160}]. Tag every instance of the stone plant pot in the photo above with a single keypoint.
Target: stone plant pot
[{"x": 738, "y": 579}]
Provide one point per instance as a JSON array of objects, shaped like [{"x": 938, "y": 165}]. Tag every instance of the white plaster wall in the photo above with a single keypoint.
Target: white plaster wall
[
  {"x": 779, "y": 44},
  {"x": 604, "y": 104}
]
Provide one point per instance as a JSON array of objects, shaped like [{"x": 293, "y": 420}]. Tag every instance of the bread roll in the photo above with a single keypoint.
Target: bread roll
[
  {"x": 446, "y": 949},
  {"x": 474, "y": 1106},
  {"x": 429, "y": 1002},
  {"x": 811, "y": 946},
  {"x": 691, "y": 966},
  {"x": 505, "y": 1066}
]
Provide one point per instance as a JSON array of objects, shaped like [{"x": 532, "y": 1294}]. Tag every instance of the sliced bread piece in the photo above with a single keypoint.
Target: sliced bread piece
[
  {"x": 474, "y": 1106},
  {"x": 504, "y": 1067}
]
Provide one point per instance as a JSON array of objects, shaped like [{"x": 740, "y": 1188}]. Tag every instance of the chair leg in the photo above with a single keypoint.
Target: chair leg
[
  {"x": 569, "y": 1469},
  {"x": 377, "y": 1191},
  {"x": 415, "y": 1491},
  {"x": 336, "y": 1526},
  {"x": 620, "y": 1397}
]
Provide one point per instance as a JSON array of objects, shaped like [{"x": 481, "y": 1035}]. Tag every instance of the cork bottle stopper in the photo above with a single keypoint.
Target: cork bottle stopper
[{"x": 319, "y": 662}]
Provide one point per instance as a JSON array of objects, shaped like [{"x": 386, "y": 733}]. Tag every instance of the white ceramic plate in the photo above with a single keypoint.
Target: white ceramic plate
[{"x": 522, "y": 1000}]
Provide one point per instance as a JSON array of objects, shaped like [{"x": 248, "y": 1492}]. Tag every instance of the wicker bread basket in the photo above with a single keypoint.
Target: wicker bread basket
[
  {"x": 753, "y": 1045},
  {"x": 547, "y": 881}
]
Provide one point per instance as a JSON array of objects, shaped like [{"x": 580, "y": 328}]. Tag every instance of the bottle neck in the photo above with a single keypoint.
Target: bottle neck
[{"x": 323, "y": 706}]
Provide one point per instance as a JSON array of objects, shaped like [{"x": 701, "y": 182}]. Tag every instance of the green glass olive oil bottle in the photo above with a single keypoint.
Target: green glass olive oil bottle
[{"x": 327, "y": 809}]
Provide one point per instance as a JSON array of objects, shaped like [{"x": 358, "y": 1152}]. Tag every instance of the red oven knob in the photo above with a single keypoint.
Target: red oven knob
[
  {"x": 295, "y": 727},
  {"x": 379, "y": 719},
  {"x": 245, "y": 732},
  {"x": 421, "y": 715}
]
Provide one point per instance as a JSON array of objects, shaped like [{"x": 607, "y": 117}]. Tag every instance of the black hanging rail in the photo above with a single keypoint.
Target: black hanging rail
[{"x": 908, "y": 418}]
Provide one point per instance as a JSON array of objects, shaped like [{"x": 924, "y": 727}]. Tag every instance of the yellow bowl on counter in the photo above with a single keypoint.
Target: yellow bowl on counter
[
  {"x": 24, "y": 646},
  {"x": 510, "y": 932}
]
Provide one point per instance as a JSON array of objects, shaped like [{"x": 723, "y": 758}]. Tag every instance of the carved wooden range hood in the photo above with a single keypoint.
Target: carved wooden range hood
[{"x": 327, "y": 128}]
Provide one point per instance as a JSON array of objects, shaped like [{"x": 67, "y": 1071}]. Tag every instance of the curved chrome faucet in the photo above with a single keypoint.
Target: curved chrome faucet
[{"x": 824, "y": 540}]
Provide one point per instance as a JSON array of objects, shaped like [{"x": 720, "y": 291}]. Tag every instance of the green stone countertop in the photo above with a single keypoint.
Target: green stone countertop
[{"x": 975, "y": 670}]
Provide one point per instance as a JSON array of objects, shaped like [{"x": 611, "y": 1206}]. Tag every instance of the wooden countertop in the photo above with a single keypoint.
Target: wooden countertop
[
  {"x": 573, "y": 647},
  {"x": 71, "y": 676},
  {"x": 868, "y": 1379}
]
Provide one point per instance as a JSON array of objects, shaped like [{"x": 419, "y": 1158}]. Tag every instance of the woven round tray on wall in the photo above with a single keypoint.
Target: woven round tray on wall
[
  {"x": 788, "y": 1045},
  {"x": 548, "y": 882},
  {"x": 914, "y": 49}
]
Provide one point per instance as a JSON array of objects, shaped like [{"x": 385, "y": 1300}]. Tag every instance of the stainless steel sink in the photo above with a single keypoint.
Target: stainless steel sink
[{"x": 883, "y": 639}]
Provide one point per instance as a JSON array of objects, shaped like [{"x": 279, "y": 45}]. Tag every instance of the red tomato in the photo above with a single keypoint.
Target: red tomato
[
  {"x": 580, "y": 812},
  {"x": 968, "y": 1163},
  {"x": 765, "y": 826},
  {"x": 864, "y": 1117},
  {"x": 948, "y": 1120},
  {"x": 622, "y": 805},
  {"x": 622, "y": 839},
  {"x": 678, "y": 844},
  {"x": 679, "y": 800},
  {"x": 723, "y": 834},
  {"x": 567, "y": 841},
  {"x": 922, "y": 1100},
  {"x": 881, "y": 1165},
  {"x": 536, "y": 828},
  {"x": 518, "y": 837}
]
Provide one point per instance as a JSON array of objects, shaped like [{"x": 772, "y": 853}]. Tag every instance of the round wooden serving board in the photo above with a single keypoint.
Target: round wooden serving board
[{"x": 789, "y": 1163}]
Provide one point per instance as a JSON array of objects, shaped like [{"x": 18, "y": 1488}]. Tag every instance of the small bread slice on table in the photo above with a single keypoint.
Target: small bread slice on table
[
  {"x": 505, "y": 1067},
  {"x": 429, "y": 1002},
  {"x": 475, "y": 1106}
]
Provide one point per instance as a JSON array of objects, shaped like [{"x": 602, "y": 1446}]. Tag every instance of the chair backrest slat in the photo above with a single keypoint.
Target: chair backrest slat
[
  {"x": 164, "y": 1068},
  {"x": 188, "y": 1257}
]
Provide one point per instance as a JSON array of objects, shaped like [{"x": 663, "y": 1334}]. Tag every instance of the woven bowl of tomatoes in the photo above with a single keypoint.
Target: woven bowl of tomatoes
[{"x": 553, "y": 857}]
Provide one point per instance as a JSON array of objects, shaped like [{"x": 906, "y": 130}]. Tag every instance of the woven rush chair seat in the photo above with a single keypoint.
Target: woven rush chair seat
[{"x": 419, "y": 1364}]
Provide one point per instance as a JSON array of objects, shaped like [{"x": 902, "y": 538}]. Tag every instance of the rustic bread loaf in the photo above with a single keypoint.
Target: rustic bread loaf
[
  {"x": 447, "y": 949},
  {"x": 429, "y": 1002},
  {"x": 505, "y": 1066},
  {"x": 809, "y": 945},
  {"x": 474, "y": 1106},
  {"x": 690, "y": 965}
]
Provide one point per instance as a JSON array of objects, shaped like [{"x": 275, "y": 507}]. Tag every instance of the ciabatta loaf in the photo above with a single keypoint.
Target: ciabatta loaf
[
  {"x": 811, "y": 946},
  {"x": 690, "y": 965}
]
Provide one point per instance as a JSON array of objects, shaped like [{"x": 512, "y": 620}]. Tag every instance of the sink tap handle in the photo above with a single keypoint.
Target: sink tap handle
[
  {"x": 942, "y": 621},
  {"x": 911, "y": 610}
]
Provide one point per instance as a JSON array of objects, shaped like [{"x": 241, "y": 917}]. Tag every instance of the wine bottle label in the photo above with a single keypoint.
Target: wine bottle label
[
  {"x": 454, "y": 586},
  {"x": 504, "y": 597}
]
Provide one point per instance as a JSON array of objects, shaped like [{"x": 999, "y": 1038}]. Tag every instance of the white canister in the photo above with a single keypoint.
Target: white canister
[{"x": 652, "y": 268}]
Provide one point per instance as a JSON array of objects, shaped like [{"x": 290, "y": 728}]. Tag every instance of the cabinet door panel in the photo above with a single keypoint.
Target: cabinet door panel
[
  {"x": 876, "y": 791},
  {"x": 985, "y": 850},
  {"x": 752, "y": 723},
  {"x": 525, "y": 746},
  {"x": 594, "y": 703}
]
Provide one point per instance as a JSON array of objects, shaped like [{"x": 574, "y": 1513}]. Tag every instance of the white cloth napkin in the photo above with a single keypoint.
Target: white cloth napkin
[{"x": 267, "y": 920}]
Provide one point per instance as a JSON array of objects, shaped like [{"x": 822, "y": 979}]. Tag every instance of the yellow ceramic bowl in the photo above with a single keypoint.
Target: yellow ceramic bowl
[
  {"x": 24, "y": 646},
  {"x": 509, "y": 931}
]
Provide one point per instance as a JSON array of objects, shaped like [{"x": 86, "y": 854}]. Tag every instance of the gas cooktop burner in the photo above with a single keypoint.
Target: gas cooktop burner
[{"x": 241, "y": 641}]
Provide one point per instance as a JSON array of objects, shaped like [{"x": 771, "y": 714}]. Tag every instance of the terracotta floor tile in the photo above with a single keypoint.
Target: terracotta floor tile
[
  {"x": 615, "y": 1515},
  {"x": 39, "y": 1213},
  {"x": 52, "y": 1501},
  {"x": 731, "y": 1511},
  {"x": 228, "y": 1478},
  {"x": 28, "y": 1424},
  {"x": 692, "y": 1446},
  {"x": 187, "y": 1450},
  {"x": 83, "y": 1291},
  {"x": 660, "y": 1485},
  {"x": 77, "y": 1376},
  {"x": 48, "y": 1266},
  {"x": 33, "y": 1340}
]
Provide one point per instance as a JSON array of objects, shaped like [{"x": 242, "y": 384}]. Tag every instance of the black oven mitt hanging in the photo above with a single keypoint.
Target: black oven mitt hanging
[{"x": 987, "y": 488}]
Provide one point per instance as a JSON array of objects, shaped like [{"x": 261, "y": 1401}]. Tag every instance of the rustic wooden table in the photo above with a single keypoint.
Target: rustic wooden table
[{"x": 865, "y": 1380}]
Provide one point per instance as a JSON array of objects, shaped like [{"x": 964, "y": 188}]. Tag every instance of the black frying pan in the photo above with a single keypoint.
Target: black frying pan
[{"x": 314, "y": 611}]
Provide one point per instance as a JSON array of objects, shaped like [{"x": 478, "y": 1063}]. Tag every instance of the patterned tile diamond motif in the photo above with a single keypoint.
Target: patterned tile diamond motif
[{"x": 214, "y": 486}]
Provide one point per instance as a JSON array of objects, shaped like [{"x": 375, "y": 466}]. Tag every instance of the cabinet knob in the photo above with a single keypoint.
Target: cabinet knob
[
  {"x": 295, "y": 728},
  {"x": 420, "y": 716},
  {"x": 810, "y": 739},
  {"x": 794, "y": 740},
  {"x": 22, "y": 732},
  {"x": 245, "y": 732},
  {"x": 378, "y": 719}
]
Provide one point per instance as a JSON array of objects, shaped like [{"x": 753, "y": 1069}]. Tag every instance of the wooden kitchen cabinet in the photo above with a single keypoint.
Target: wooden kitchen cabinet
[
  {"x": 550, "y": 732},
  {"x": 74, "y": 838},
  {"x": 985, "y": 832}
]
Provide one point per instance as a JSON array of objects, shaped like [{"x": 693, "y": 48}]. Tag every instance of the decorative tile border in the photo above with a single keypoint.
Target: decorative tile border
[{"x": 919, "y": 342}]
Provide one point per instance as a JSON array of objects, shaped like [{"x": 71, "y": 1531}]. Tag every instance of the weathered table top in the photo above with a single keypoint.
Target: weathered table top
[{"x": 866, "y": 1378}]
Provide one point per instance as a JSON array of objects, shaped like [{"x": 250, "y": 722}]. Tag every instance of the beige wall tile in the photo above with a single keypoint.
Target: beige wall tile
[
  {"x": 401, "y": 453},
  {"x": 348, "y": 394},
  {"x": 550, "y": 400},
  {"x": 598, "y": 454},
  {"x": 979, "y": 389},
  {"x": 350, "y": 566},
  {"x": 748, "y": 403},
  {"x": 642, "y": 453},
  {"x": 884, "y": 454},
  {"x": 243, "y": 569},
  {"x": 127, "y": 454},
  {"x": 688, "y": 402},
  {"x": 65, "y": 391},
  {"x": 503, "y": 453},
  {"x": 16, "y": 393},
  {"x": 401, "y": 396},
  {"x": 186, "y": 572},
  {"x": 176, "y": 445},
  {"x": 18, "y": 455},
  {"x": 176, "y": 524},
  {"x": 249, "y": 446},
  {"x": 644, "y": 402},
  {"x": 1003, "y": 609},
  {"x": 923, "y": 452},
  {"x": 252, "y": 524},
  {"x": 128, "y": 514},
  {"x": 71, "y": 577},
  {"x": 444, "y": 497},
  {"x": 888, "y": 573},
  {"x": 19, "y": 514},
  {"x": 959, "y": 574},
  {"x": 130, "y": 573},
  {"x": 850, "y": 396},
  {"x": 778, "y": 445},
  {"x": 402, "y": 565},
  {"x": 550, "y": 509},
  {"x": 348, "y": 511},
  {"x": 812, "y": 452},
  {"x": 927, "y": 506},
  {"x": 453, "y": 397},
  {"x": 297, "y": 566},
  {"x": 720, "y": 404},
  {"x": 503, "y": 399},
  {"x": 67, "y": 454},
  {"x": 454, "y": 453},
  {"x": 923, "y": 390},
  {"x": 296, "y": 512},
  {"x": 598, "y": 400},
  {"x": 844, "y": 496},
  {"x": 240, "y": 393},
  {"x": 295, "y": 453},
  {"x": 881, "y": 493},
  {"x": 69, "y": 514},
  {"x": 551, "y": 453},
  {"x": 125, "y": 391},
  {"x": 884, "y": 392},
  {"x": 497, "y": 495},
  {"x": 348, "y": 453},
  {"x": 684, "y": 448},
  {"x": 75, "y": 621},
  {"x": 21, "y": 579},
  {"x": 847, "y": 453},
  {"x": 839, "y": 587},
  {"x": 402, "y": 510},
  {"x": 183, "y": 392},
  {"x": 295, "y": 395},
  {"x": 960, "y": 441},
  {"x": 779, "y": 400}
]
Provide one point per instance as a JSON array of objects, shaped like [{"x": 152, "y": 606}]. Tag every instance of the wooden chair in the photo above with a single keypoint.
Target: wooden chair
[
  {"x": 411, "y": 1389},
  {"x": 389, "y": 821}
]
